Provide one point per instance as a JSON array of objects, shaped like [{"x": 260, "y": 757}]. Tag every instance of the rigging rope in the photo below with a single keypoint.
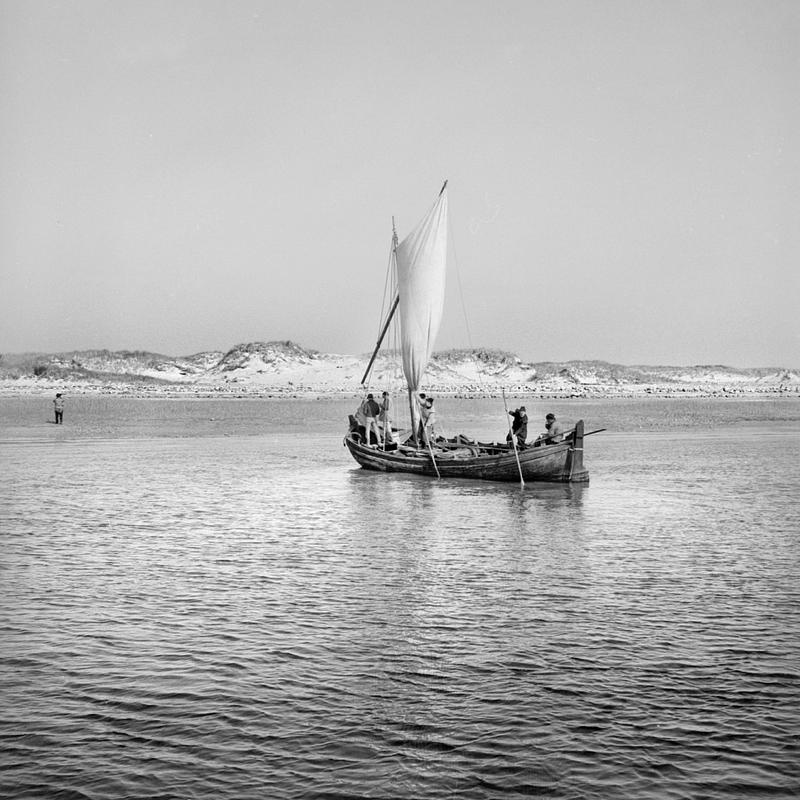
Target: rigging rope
[
  {"x": 470, "y": 345},
  {"x": 385, "y": 302}
]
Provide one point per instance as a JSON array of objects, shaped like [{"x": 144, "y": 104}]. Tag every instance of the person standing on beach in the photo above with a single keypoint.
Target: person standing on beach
[{"x": 58, "y": 406}]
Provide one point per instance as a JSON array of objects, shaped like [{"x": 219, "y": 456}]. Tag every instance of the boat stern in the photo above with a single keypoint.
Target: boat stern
[{"x": 574, "y": 471}]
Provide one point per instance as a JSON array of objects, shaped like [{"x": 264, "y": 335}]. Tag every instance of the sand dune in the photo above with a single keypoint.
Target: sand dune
[{"x": 287, "y": 369}]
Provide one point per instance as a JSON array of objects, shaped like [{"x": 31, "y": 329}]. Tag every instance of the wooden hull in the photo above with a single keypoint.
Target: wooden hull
[{"x": 561, "y": 463}]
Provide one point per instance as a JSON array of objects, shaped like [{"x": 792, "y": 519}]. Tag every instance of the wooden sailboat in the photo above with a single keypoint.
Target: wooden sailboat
[{"x": 420, "y": 263}]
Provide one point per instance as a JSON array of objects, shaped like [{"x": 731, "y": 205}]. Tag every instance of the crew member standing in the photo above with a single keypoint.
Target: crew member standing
[
  {"x": 385, "y": 419},
  {"x": 371, "y": 410},
  {"x": 429, "y": 421},
  {"x": 422, "y": 408},
  {"x": 519, "y": 426}
]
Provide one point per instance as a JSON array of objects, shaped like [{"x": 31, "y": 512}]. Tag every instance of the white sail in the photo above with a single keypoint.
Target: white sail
[{"x": 421, "y": 265}]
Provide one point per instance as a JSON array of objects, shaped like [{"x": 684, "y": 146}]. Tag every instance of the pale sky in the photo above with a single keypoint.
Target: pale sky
[{"x": 187, "y": 175}]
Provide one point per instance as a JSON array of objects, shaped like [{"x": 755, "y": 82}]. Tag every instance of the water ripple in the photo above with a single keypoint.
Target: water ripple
[{"x": 215, "y": 617}]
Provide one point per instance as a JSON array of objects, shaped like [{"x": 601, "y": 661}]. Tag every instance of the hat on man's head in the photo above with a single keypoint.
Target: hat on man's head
[
  {"x": 550, "y": 416},
  {"x": 369, "y": 397},
  {"x": 522, "y": 408}
]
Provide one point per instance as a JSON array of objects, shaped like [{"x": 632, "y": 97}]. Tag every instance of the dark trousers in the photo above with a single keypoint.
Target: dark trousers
[
  {"x": 59, "y": 417},
  {"x": 520, "y": 435}
]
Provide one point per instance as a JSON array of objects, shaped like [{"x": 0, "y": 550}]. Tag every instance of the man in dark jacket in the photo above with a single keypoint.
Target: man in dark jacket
[
  {"x": 371, "y": 409},
  {"x": 519, "y": 426}
]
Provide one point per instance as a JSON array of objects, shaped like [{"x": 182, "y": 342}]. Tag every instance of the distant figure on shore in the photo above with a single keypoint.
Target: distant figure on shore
[
  {"x": 58, "y": 406},
  {"x": 554, "y": 432},
  {"x": 385, "y": 419},
  {"x": 519, "y": 426},
  {"x": 371, "y": 410}
]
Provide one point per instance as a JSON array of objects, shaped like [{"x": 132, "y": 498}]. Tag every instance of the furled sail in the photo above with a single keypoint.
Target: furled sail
[{"x": 421, "y": 266}]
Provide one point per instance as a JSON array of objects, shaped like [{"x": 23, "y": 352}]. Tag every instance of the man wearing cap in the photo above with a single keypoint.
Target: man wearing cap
[
  {"x": 519, "y": 427},
  {"x": 428, "y": 420},
  {"x": 370, "y": 409},
  {"x": 554, "y": 433}
]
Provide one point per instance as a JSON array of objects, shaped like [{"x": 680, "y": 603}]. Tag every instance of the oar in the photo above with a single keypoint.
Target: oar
[
  {"x": 568, "y": 434},
  {"x": 513, "y": 441}
]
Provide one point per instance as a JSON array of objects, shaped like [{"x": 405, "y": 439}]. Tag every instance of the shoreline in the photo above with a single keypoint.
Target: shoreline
[{"x": 38, "y": 388}]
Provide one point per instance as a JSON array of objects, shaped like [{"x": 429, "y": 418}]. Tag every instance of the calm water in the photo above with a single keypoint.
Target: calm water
[{"x": 208, "y": 599}]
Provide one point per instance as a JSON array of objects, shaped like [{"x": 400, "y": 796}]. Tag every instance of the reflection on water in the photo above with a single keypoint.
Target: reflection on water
[
  {"x": 462, "y": 502},
  {"x": 248, "y": 614}
]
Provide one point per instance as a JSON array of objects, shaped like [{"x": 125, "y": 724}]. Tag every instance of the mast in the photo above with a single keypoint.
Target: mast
[
  {"x": 389, "y": 317},
  {"x": 414, "y": 419}
]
